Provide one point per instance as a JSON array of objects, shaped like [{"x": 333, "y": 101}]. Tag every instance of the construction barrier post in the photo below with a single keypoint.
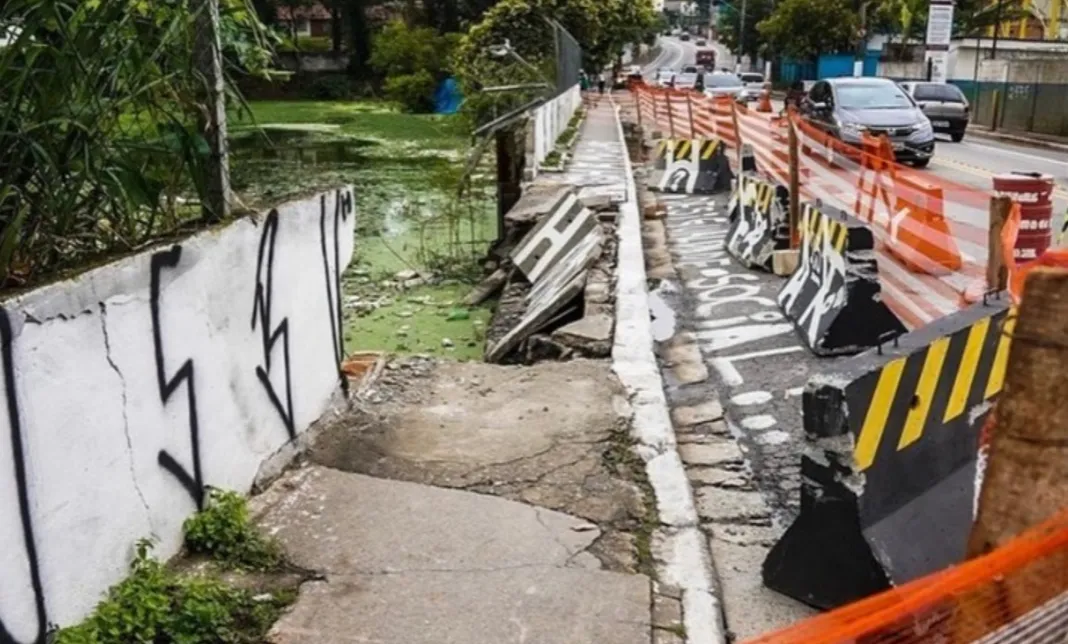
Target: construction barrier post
[
  {"x": 997, "y": 273},
  {"x": 689, "y": 111},
  {"x": 737, "y": 130},
  {"x": 1026, "y": 478},
  {"x": 638, "y": 107},
  {"x": 795, "y": 186},
  {"x": 671, "y": 121}
]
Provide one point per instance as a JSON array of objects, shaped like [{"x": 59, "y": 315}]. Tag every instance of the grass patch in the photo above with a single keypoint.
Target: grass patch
[
  {"x": 417, "y": 321},
  {"x": 553, "y": 158}
]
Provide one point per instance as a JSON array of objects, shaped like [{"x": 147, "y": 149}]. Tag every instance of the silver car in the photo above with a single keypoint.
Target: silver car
[
  {"x": 753, "y": 80},
  {"x": 719, "y": 84},
  {"x": 944, "y": 105}
]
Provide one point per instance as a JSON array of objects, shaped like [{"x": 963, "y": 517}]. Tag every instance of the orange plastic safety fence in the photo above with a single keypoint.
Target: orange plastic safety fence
[
  {"x": 1016, "y": 594},
  {"x": 931, "y": 233}
]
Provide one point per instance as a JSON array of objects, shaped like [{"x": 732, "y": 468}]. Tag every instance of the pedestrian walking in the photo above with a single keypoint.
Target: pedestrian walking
[{"x": 600, "y": 82}]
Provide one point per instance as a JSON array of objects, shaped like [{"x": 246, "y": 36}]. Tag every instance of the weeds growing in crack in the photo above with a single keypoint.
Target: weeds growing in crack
[
  {"x": 224, "y": 532},
  {"x": 621, "y": 458},
  {"x": 169, "y": 604},
  {"x": 156, "y": 604}
]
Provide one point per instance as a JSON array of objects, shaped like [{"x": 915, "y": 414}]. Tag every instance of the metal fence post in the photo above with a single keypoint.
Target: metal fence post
[
  {"x": 689, "y": 111},
  {"x": 671, "y": 121},
  {"x": 795, "y": 184}
]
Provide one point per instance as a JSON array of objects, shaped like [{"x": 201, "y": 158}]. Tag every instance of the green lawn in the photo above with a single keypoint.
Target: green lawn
[{"x": 403, "y": 168}]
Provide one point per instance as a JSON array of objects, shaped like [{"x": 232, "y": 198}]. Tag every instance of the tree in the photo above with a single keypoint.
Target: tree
[
  {"x": 905, "y": 19},
  {"x": 729, "y": 20},
  {"x": 413, "y": 62},
  {"x": 803, "y": 29}
]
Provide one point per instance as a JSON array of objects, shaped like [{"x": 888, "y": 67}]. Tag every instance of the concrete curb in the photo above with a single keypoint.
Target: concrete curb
[
  {"x": 685, "y": 559},
  {"x": 1005, "y": 137}
]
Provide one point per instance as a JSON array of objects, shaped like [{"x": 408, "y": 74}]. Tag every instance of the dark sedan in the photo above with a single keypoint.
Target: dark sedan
[{"x": 846, "y": 108}]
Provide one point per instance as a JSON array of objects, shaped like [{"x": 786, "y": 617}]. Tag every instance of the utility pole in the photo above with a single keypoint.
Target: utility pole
[
  {"x": 997, "y": 30},
  {"x": 212, "y": 119},
  {"x": 741, "y": 35}
]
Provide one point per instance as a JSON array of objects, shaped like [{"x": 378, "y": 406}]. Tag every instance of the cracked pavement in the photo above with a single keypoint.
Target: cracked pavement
[{"x": 474, "y": 503}]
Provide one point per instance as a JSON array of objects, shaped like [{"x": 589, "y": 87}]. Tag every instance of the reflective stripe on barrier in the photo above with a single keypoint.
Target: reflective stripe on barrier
[
  {"x": 833, "y": 298},
  {"x": 759, "y": 226},
  {"x": 890, "y": 478},
  {"x": 691, "y": 166}
]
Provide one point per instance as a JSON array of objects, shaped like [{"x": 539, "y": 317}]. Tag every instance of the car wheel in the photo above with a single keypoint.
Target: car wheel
[
  {"x": 957, "y": 136},
  {"x": 921, "y": 163}
]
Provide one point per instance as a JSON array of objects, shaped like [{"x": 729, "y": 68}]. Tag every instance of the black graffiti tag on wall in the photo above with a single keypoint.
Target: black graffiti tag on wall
[
  {"x": 261, "y": 313},
  {"x": 342, "y": 210},
  {"x": 17, "y": 450},
  {"x": 193, "y": 483}
]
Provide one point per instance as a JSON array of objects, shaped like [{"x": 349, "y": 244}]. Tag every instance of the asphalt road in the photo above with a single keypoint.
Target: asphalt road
[{"x": 972, "y": 162}]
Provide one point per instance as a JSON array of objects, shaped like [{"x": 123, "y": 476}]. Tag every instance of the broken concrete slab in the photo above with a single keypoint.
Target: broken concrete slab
[
  {"x": 407, "y": 564},
  {"x": 344, "y": 523},
  {"x": 602, "y": 197},
  {"x": 566, "y": 226},
  {"x": 548, "y": 434},
  {"x": 554, "y": 287},
  {"x": 543, "y": 605},
  {"x": 591, "y": 335},
  {"x": 537, "y": 201}
]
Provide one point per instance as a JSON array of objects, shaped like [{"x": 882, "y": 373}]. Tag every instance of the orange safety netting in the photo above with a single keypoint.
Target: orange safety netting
[
  {"x": 1017, "y": 593},
  {"x": 931, "y": 233}
]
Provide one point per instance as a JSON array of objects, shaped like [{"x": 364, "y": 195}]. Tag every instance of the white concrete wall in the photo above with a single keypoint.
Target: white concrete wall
[
  {"x": 550, "y": 120},
  {"x": 129, "y": 388}
]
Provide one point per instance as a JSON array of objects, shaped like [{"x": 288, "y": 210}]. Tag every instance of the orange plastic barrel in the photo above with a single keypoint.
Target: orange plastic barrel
[{"x": 1034, "y": 192}]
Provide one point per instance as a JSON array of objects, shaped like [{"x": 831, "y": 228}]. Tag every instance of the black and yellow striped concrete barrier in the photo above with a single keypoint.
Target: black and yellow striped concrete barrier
[
  {"x": 833, "y": 298},
  {"x": 759, "y": 223},
  {"x": 890, "y": 478},
  {"x": 690, "y": 166}
]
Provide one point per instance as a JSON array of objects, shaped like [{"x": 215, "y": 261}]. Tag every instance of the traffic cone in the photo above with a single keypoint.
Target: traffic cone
[{"x": 765, "y": 100}]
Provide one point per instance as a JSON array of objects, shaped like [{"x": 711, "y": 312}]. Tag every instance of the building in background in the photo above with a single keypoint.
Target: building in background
[
  {"x": 312, "y": 20},
  {"x": 1048, "y": 21}
]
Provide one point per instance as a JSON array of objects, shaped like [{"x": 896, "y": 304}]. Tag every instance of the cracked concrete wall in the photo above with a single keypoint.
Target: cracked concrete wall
[{"x": 131, "y": 388}]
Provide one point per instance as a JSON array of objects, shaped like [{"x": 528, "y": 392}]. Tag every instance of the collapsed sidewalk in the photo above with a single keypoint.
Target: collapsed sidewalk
[{"x": 470, "y": 502}]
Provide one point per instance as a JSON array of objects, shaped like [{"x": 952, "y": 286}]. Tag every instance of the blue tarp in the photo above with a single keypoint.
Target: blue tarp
[{"x": 447, "y": 98}]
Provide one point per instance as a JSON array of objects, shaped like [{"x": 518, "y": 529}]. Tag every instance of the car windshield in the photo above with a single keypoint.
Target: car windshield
[
  {"x": 937, "y": 92},
  {"x": 689, "y": 69},
  {"x": 752, "y": 78},
  {"x": 872, "y": 96},
  {"x": 723, "y": 81}
]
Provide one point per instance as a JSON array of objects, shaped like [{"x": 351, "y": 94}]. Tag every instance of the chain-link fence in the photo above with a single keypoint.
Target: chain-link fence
[{"x": 568, "y": 59}]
